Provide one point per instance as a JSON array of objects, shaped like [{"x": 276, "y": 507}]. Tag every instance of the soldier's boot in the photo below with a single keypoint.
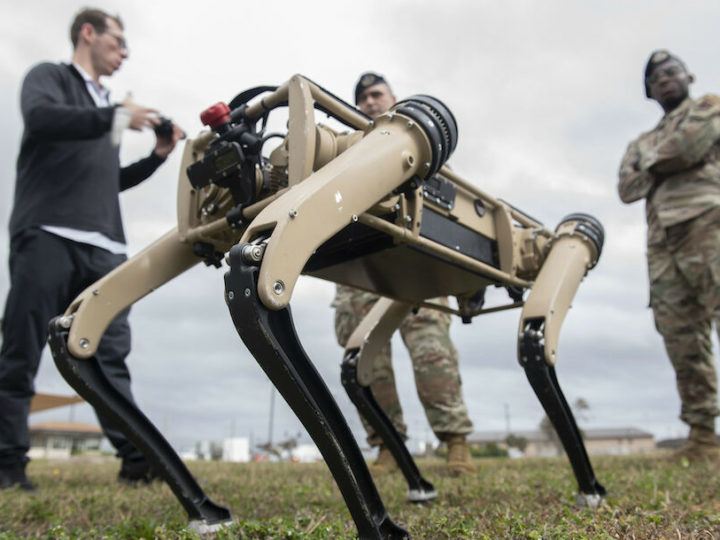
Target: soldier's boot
[
  {"x": 702, "y": 444},
  {"x": 385, "y": 462},
  {"x": 459, "y": 461}
]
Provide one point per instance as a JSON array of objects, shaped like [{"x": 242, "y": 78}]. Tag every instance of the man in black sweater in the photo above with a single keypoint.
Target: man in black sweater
[{"x": 65, "y": 229}]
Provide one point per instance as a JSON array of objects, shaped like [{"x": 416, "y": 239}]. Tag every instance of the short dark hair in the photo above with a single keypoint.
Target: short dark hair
[
  {"x": 367, "y": 80},
  {"x": 657, "y": 58},
  {"x": 97, "y": 17}
]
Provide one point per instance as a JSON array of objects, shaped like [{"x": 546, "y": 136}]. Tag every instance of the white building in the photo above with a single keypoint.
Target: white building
[
  {"x": 236, "y": 449},
  {"x": 60, "y": 440},
  {"x": 609, "y": 441},
  {"x": 305, "y": 453}
]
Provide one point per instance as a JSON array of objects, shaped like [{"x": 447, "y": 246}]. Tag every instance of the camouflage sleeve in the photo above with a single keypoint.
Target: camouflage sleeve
[
  {"x": 634, "y": 183},
  {"x": 690, "y": 142}
]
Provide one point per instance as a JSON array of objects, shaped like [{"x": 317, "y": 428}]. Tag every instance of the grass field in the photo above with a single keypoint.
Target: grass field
[{"x": 528, "y": 498}]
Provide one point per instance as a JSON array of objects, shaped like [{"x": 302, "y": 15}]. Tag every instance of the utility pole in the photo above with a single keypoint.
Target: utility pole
[
  {"x": 507, "y": 418},
  {"x": 272, "y": 414}
]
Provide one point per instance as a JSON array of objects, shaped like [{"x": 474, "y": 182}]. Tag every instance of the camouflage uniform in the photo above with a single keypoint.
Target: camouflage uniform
[
  {"x": 434, "y": 359},
  {"x": 676, "y": 168}
]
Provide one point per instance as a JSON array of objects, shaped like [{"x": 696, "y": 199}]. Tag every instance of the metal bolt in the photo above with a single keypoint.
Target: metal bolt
[
  {"x": 247, "y": 293},
  {"x": 65, "y": 322},
  {"x": 84, "y": 343},
  {"x": 253, "y": 253},
  {"x": 384, "y": 132},
  {"x": 96, "y": 292},
  {"x": 397, "y": 206},
  {"x": 354, "y": 218},
  {"x": 230, "y": 295},
  {"x": 408, "y": 219},
  {"x": 292, "y": 214},
  {"x": 278, "y": 287},
  {"x": 410, "y": 123}
]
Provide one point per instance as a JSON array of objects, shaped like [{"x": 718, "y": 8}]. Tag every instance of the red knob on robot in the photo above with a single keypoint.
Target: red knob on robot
[{"x": 216, "y": 115}]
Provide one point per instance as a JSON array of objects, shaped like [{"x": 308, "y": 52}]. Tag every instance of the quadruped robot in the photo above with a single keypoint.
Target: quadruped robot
[{"x": 373, "y": 207}]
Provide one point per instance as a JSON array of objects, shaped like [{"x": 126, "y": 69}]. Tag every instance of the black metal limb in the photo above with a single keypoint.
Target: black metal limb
[
  {"x": 271, "y": 338},
  {"x": 88, "y": 379},
  {"x": 545, "y": 384},
  {"x": 419, "y": 489}
]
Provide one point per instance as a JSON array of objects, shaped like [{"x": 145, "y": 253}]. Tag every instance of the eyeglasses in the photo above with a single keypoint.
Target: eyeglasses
[
  {"x": 121, "y": 43},
  {"x": 670, "y": 71}
]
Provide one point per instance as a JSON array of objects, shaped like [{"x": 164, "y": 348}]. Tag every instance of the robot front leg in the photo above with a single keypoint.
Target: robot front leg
[
  {"x": 88, "y": 379},
  {"x": 544, "y": 383},
  {"x": 271, "y": 338},
  {"x": 575, "y": 249},
  {"x": 362, "y": 348},
  {"x": 74, "y": 339}
]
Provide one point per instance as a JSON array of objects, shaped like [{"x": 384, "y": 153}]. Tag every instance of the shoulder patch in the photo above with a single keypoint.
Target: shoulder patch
[{"x": 707, "y": 101}]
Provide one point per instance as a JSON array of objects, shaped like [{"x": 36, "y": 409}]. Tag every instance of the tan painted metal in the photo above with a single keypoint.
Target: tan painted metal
[
  {"x": 99, "y": 304},
  {"x": 301, "y": 130},
  {"x": 317, "y": 182},
  {"x": 373, "y": 333},
  {"x": 312, "y": 211},
  {"x": 571, "y": 256}
]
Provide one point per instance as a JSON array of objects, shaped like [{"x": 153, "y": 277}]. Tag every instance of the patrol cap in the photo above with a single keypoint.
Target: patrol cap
[
  {"x": 657, "y": 58},
  {"x": 367, "y": 80}
]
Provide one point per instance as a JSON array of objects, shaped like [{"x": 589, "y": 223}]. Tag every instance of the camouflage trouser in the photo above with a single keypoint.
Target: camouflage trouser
[
  {"x": 684, "y": 275},
  {"x": 434, "y": 360}
]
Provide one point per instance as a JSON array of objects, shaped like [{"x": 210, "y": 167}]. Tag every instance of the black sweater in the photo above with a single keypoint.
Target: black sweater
[{"x": 68, "y": 172}]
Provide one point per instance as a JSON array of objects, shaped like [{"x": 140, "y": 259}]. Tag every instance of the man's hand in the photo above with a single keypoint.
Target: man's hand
[
  {"x": 140, "y": 117},
  {"x": 165, "y": 145}
]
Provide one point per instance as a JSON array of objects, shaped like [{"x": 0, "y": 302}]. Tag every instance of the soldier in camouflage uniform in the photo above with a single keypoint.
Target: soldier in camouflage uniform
[
  {"x": 426, "y": 336},
  {"x": 676, "y": 168}
]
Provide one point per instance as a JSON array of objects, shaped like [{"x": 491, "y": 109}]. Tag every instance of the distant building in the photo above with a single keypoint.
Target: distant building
[
  {"x": 306, "y": 453},
  {"x": 610, "y": 441},
  {"x": 60, "y": 440},
  {"x": 236, "y": 449},
  {"x": 619, "y": 441},
  {"x": 42, "y": 401}
]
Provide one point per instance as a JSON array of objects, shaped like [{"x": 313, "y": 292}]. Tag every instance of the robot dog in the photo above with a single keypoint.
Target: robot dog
[{"x": 373, "y": 207}]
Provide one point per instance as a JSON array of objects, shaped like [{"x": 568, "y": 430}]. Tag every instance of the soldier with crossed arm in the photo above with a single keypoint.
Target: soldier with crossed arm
[{"x": 675, "y": 167}]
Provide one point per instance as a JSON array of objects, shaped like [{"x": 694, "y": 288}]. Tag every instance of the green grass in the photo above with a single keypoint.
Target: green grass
[{"x": 529, "y": 498}]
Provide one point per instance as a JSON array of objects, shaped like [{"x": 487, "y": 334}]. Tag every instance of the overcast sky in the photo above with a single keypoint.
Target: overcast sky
[{"x": 546, "y": 95}]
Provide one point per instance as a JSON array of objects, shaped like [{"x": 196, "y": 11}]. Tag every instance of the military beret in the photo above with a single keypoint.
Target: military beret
[
  {"x": 657, "y": 58},
  {"x": 366, "y": 81}
]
